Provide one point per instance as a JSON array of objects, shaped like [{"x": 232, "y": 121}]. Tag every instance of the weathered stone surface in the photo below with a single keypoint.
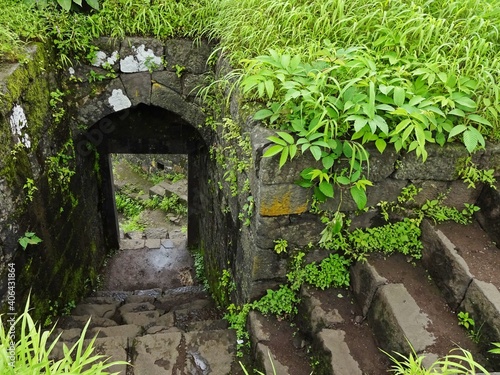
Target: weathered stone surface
[
  {"x": 265, "y": 356},
  {"x": 73, "y": 321},
  {"x": 101, "y": 310},
  {"x": 125, "y": 330},
  {"x": 168, "y": 79},
  {"x": 114, "y": 347},
  {"x": 144, "y": 318},
  {"x": 155, "y": 292},
  {"x": 266, "y": 262},
  {"x": 206, "y": 325},
  {"x": 381, "y": 165},
  {"x": 136, "y": 307},
  {"x": 397, "y": 320},
  {"x": 137, "y": 87},
  {"x": 168, "y": 99},
  {"x": 128, "y": 244},
  {"x": 482, "y": 302},
  {"x": 319, "y": 317},
  {"x": 365, "y": 281},
  {"x": 271, "y": 174},
  {"x": 342, "y": 363},
  {"x": 166, "y": 320},
  {"x": 441, "y": 163},
  {"x": 67, "y": 335},
  {"x": 185, "y": 53},
  {"x": 212, "y": 352},
  {"x": 153, "y": 243},
  {"x": 108, "y": 51},
  {"x": 192, "y": 84},
  {"x": 156, "y": 354},
  {"x": 156, "y": 232},
  {"x": 283, "y": 199},
  {"x": 447, "y": 268},
  {"x": 112, "y": 99},
  {"x": 179, "y": 188},
  {"x": 459, "y": 193},
  {"x": 139, "y": 299},
  {"x": 489, "y": 216},
  {"x": 256, "y": 328},
  {"x": 141, "y": 55},
  {"x": 491, "y": 158}
]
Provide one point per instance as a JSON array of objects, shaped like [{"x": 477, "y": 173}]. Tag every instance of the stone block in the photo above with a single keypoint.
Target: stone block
[
  {"x": 447, "y": 268},
  {"x": 319, "y": 317},
  {"x": 166, "y": 320},
  {"x": 156, "y": 354},
  {"x": 114, "y": 347},
  {"x": 125, "y": 330},
  {"x": 128, "y": 244},
  {"x": 342, "y": 362},
  {"x": 214, "y": 350},
  {"x": 397, "y": 321},
  {"x": 441, "y": 163},
  {"x": 264, "y": 355},
  {"x": 137, "y": 87},
  {"x": 270, "y": 173},
  {"x": 139, "y": 299},
  {"x": 153, "y": 243},
  {"x": 192, "y": 83},
  {"x": 489, "y": 216},
  {"x": 283, "y": 199},
  {"x": 365, "y": 281},
  {"x": 136, "y": 307},
  {"x": 152, "y": 233},
  {"x": 101, "y": 310},
  {"x": 267, "y": 264},
  {"x": 459, "y": 193},
  {"x": 168, "y": 99},
  {"x": 482, "y": 302},
  {"x": 144, "y": 318},
  {"x": 188, "y": 54},
  {"x": 168, "y": 79},
  {"x": 256, "y": 328},
  {"x": 141, "y": 55},
  {"x": 108, "y": 52}
]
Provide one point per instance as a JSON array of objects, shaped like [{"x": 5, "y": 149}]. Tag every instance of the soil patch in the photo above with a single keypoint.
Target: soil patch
[
  {"x": 399, "y": 269},
  {"x": 476, "y": 247}
]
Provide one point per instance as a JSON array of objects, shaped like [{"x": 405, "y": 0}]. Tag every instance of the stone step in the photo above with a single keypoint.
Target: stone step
[{"x": 467, "y": 285}]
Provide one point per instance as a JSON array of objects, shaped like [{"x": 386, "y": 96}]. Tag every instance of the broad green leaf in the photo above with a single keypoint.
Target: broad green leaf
[
  {"x": 292, "y": 151},
  {"x": 343, "y": 180},
  {"x": 316, "y": 152},
  {"x": 399, "y": 96},
  {"x": 287, "y": 137},
  {"x": 456, "y": 130},
  {"x": 304, "y": 183},
  {"x": 269, "y": 88},
  {"x": 359, "y": 196},
  {"x": 465, "y": 102},
  {"x": 65, "y": 4},
  {"x": 285, "y": 61},
  {"x": 440, "y": 139},
  {"x": 470, "y": 141},
  {"x": 262, "y": 114},
  {"x": 479, "y": 119},
  {"x": 283, "y": 157},
  {"x": 381, "y": 145},
  {"x": 93, "y": 3},
  {"x": 273, "y": 150},
  {"x": 457, "y": 112},
  {"x": 328, "y": 161},
  {"x": 78, "y": 2},
  {"x": 419, "y": 132},
  {"x": 385, "y": 107},
  {"x": 326, "y": 188},
  {"x": 278, "y": 141},
  {"x": 386, "y": 90}
]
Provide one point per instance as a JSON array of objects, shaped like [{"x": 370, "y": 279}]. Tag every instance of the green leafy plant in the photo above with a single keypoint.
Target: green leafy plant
[
  {"x": 179, "y": 70},
  {"x": 32, "y": 351},
  {"x": 55, "y": 102},
  {"x": 29, "y": 238},
  {"x": 60, "y": 168},
  {"x": 471, "y": 174},
  {"x": 30, "y": 189},
  {"x": 67, "y": 4},
  {"x": 465, "y": 320},
  {"x": 280, "y": 246}
]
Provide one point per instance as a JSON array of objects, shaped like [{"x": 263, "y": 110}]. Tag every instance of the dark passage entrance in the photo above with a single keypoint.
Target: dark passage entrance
[{"x": 146, "y": 130}]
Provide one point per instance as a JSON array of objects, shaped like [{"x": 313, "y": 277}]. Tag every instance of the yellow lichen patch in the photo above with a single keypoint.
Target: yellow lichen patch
[{"x": 282, "y": 204}]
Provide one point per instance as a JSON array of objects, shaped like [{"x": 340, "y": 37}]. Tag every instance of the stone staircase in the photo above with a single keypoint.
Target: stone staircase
[
  {"x": 394, "y": 304},
  {"x": 398, "y": 305},
  {"x": 174, "y": 331}
]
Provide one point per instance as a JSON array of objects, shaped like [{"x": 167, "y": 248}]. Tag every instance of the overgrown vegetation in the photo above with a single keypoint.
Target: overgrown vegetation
[{"x": 26, "y": 348}]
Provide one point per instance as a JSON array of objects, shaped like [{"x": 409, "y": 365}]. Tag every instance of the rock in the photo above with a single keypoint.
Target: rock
[
  {"x": 264, "y": 355},
  {"x": 342, "y": 363},
  {"x": 136, "y": 307},
  {"x": 364, "y": 283},
  {"x": 125, "y": 330},
  {"x": 145, "y": 319},
  {"x": 156, "y": 354},
  {"x": 101, "y": 310}
]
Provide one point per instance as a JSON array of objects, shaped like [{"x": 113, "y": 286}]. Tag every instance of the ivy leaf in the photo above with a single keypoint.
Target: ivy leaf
[
  {"x": 359, "y": 196},
  {"x": 326, "y": 188}
]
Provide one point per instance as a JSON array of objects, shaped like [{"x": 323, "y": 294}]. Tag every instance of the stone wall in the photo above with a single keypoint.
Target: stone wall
[
  {"x": 45, "y": 188},
  {"x": 139, "y": 96}
]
